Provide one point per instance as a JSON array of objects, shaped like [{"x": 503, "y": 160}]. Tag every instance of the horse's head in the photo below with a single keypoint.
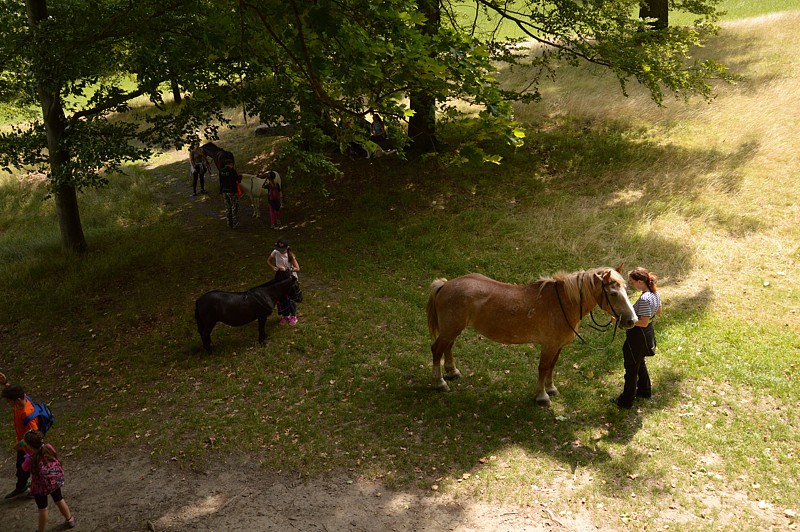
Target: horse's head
[
  {"x": 614, "y": 299},
  {"x": 295, "y": 294}
]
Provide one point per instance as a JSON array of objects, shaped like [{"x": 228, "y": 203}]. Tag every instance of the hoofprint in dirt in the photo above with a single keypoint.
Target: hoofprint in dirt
[{"x": 135, "y": 493}]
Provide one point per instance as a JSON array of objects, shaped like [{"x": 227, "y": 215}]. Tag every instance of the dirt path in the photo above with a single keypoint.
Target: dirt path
[{"x": 136, "y": 493}]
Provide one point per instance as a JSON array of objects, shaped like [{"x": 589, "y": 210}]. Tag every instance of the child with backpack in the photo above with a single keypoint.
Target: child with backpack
[
  {"x": 24, "y": 420},
  {"x": 47, "y": 478}
]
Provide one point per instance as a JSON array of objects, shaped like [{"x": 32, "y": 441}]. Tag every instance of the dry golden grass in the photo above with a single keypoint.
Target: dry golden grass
[{"x": 739, "y": 205}]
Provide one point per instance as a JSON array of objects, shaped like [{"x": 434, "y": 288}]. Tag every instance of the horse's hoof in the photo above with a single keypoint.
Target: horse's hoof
[
  {"x": 452, "y": 375},
  {"x": 441, "y": 386},
  {"x": 543, "y": 402},
  {"x": 552, "y": 391}
]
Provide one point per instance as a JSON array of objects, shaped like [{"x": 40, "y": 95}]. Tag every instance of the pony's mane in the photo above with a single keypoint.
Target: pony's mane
[
  {"x": 574, "y": 283},
  {"x": 271, "y": 282}
]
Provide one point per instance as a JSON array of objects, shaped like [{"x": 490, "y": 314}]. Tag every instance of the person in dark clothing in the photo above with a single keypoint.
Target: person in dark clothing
[
  {"x": 229, "y": 180},
  {"x": 199, "y": 165}
]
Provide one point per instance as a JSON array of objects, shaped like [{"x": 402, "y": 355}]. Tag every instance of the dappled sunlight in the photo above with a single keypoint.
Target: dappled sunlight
[{"x": 185, "y": 516}]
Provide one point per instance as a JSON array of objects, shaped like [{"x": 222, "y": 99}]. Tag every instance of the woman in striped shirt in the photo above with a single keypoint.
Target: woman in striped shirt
[{"x": 640, "y": 340}]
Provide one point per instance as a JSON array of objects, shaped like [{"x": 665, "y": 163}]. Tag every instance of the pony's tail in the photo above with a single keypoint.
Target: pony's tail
[{"x": 430, "y": 308}]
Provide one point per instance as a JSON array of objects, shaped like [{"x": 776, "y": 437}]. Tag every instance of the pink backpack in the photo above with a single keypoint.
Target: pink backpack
[{"x": 48, "y": 477}]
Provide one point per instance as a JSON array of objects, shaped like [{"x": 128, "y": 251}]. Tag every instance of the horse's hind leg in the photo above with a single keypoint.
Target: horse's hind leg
[
  {"x": 438, "y": 348},
  {"x": 450, "y": 370}
]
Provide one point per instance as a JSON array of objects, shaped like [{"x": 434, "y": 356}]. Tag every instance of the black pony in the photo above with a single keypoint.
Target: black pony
[
  {"x": 240, "y": 308},
  {"x": 217, "y": 154}
]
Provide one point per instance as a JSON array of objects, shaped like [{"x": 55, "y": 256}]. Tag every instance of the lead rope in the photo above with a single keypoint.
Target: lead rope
[{"x": 580, "y": 312}]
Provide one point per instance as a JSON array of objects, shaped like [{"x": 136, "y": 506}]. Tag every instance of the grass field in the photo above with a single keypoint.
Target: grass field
[{"x": 705, "y": 195}]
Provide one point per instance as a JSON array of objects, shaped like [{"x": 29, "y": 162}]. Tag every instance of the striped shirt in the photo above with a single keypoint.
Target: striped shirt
[{"x": 647, "y": 304}]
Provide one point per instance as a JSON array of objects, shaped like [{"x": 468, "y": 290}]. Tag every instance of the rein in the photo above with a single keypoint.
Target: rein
[{"x": 580, "y": 314}]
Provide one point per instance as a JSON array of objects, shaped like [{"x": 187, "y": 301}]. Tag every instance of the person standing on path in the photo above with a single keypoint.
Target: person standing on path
[
  {"x": 199, "y": 165},
  {"x": 47, "y": 478},
  {"x": 274, "y": 198},
  {"x": 229, "y": 180},
  {"x": 23, "y": 408}
]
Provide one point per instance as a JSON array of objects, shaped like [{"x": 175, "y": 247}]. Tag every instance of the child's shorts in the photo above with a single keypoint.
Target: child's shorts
[{"x": 41, "y": 500}]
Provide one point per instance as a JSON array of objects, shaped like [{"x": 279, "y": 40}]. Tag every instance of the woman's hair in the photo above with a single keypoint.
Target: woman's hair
[
  {"x": 641, "y": 274},
  {"x": 41, "y": 452}
]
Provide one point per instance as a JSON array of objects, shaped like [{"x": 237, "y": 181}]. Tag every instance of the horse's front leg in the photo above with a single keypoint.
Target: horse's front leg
[
  {"x": 262, "y": 335},
  {"x": 545, "y": 387}
]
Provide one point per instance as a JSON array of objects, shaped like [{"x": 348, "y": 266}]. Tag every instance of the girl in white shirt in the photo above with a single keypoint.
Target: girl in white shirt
[{"x": 284, "y": 263}]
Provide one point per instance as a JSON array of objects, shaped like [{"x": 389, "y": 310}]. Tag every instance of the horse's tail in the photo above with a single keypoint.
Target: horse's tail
[{"x": 430, "y": 307}]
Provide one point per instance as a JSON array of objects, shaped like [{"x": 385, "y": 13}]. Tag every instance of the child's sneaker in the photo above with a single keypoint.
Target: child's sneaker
[
  {"x": 71, "y": 522},
  {"x": 284, "y": 321},
  {"x": 292, "y": 320}
]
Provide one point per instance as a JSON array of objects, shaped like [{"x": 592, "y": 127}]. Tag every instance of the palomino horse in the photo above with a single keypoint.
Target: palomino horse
[
  {"x": 241, "y": 308},
  {"x": 547, "y": 312},
  {"x": 217, "y": 154}
]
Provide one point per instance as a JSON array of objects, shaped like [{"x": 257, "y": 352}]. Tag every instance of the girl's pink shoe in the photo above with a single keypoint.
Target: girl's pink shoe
[
  {"x": 284, "y": 321},
  {"x": 292, "y": 320}
]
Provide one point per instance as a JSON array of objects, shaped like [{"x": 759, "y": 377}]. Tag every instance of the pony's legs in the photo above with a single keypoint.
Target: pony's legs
[
  {"x": 262, "y": 336},
  {"x": 205, "y": 334},
  {"x": 450, "y": 370},
  {"x": 438, "y": 348},
  {"x": 545, "y": 387}
]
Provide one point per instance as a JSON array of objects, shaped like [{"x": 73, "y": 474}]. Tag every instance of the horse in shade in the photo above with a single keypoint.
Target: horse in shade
[
  {"x": 217, "y": 154},
  {"x": 547, "y": 312},
  {"x": 241, "y": 308}
]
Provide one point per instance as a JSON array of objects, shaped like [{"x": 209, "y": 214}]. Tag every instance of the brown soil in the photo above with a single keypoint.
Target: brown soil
[{"x": 138, "y": 494}]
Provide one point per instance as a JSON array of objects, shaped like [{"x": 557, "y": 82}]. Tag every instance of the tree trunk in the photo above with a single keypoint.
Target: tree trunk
[
  {"x": 657, "y": 9},
  {"x": 176, "y": 92},
  {"x": 66, "y": 196},
  {"x": 422, "y": 125}
]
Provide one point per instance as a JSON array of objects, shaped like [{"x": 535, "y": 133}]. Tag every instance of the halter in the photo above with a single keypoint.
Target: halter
[{"x": 580, "y": 314}]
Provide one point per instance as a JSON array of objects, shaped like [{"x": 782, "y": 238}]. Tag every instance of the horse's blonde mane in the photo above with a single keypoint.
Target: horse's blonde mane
[{"x": 574, "y": 283}]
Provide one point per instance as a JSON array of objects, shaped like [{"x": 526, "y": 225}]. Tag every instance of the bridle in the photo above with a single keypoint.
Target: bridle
[{"x": 599, "y": 327}]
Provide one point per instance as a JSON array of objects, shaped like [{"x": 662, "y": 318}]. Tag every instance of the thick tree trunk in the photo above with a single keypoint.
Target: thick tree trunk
[
  {"x": 422, "y": 125},
  {"x": 176, "y": 92},
  {"x": 657, "y": 9},
  {"x": 69, "y": 219}
]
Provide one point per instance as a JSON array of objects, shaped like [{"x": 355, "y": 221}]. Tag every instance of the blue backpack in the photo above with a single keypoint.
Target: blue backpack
[{"x": 45, "y": 415}]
